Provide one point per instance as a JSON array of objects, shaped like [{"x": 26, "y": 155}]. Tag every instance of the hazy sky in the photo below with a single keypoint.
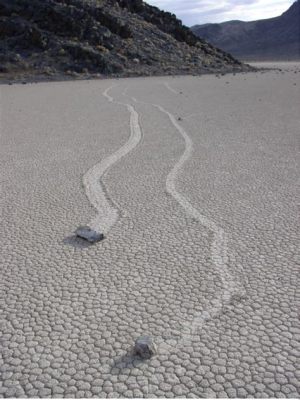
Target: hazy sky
[{"x": 193, "y": 12}]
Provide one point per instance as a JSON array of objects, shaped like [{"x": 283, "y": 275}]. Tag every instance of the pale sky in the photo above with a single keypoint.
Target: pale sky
[{"x": 193, "y": 12}]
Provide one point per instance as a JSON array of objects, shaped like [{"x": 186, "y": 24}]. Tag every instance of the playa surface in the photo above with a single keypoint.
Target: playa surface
[{"x": 193, "y": 181}]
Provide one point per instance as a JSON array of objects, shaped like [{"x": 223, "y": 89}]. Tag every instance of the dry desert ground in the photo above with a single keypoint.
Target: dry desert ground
[{"x": 194, "y": 182}]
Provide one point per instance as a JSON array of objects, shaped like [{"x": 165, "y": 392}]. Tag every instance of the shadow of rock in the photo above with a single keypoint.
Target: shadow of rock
[
  {"x": 77, "y": 242},
  {"x": 128, "y": 360}
]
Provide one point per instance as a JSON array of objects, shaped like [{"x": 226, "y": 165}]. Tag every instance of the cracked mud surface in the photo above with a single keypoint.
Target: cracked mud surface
[{"x": 225, "y": 317}]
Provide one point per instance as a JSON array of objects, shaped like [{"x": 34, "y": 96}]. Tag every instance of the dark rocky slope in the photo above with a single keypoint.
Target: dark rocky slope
[
  {"x": 84, "y": 38},
  {"x": 270, "y": 39}
]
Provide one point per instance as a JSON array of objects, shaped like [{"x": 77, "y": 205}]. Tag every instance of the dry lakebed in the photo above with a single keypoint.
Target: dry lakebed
[{"x": 194, "y": 183}]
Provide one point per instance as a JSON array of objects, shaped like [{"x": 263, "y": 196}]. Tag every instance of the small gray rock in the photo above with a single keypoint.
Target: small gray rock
[
  {"x": 89, "y": 234},
  {"x": 144, "y": 347}
]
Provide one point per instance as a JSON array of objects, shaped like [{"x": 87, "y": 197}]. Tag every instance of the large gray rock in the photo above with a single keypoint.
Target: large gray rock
[
  {"x": 144, "y": 347},
  {"x": 85, "y": 232}
]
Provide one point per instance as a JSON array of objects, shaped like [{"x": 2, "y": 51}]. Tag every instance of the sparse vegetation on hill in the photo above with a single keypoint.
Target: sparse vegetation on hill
[{"x": 82, "y": 38}]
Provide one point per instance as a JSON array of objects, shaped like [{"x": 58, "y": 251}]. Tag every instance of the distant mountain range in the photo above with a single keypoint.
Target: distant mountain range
[
  {"x": 84, "y": 38},
  {"x": 269, "y": 39}
]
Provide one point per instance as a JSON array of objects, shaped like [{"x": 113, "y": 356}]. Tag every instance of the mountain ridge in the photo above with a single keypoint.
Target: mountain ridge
[{"x": 276, "y": 38}]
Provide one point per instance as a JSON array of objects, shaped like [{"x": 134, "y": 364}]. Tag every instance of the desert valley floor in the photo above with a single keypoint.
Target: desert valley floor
[{"x": 195, "y": 183}]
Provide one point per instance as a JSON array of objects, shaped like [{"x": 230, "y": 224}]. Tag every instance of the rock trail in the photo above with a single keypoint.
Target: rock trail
[
  {"x": 172, "y": 90},
  {"x": 219, "y": 247},
  {"x": 107, "y": 211}
]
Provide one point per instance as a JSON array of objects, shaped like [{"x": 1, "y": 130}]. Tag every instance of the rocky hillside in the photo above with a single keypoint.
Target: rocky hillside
[
  {"x": 270, "y": 39},
  {"x": 87, "y": 38}
]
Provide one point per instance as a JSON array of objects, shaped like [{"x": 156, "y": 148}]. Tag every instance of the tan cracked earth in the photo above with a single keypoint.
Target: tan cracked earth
[{"x": 195, "y": 181}]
